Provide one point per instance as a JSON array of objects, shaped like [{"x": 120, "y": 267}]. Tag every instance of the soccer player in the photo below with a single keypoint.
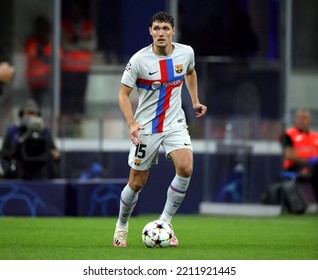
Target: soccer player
[{"x": 158, "y": 71}]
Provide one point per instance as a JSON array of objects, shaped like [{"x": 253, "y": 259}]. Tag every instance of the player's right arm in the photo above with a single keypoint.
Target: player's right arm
[{"x": 126, "y": 108}]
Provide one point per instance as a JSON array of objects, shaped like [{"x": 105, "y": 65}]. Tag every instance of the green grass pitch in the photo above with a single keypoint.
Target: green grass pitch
[{"x": 286, "y": 237}]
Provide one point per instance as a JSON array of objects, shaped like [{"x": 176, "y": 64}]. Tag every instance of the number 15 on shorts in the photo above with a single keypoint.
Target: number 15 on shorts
[{"x": 140, "y": 153}]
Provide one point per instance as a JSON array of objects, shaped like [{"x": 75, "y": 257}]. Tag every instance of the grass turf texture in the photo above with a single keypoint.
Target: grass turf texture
[{"x": 201, "y": 237}]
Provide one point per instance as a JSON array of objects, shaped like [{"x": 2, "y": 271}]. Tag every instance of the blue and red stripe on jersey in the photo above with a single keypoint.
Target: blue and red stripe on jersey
[{"x": 168, "y": 82}]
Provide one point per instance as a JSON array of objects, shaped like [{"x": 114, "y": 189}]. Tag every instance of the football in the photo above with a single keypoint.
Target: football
[{"x": 157, "y": 234}]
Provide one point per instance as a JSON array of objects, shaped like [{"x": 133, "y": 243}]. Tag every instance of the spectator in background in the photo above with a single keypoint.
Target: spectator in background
[
  {"x": 6, "y": 74},
  {"x": 28, "y": 150},
  {"x": 78, "y": 43},
  {"x": 300, "y": 149},
  {"x": 38, "y": 52}
]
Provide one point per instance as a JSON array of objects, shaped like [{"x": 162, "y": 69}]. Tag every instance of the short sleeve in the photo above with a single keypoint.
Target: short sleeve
[
  {"x": 192, "y": 60},
  {"x": 130, "y": 74},
  {"x": 286, "y": 141}
]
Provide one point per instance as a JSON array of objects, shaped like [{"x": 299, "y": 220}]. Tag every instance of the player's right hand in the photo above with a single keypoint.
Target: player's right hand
[{"x": 134, "y": 133}]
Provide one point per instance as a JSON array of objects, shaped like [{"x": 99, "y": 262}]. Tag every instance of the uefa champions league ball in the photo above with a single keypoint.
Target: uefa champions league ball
[{"x": 157, "y": 234}]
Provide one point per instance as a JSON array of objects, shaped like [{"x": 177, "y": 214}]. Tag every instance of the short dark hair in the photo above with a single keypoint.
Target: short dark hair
[{"x": 162, "y": 17}]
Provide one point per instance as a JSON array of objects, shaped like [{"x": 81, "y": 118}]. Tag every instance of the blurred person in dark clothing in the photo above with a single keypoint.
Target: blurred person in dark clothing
[
  {"x": 78, "y": 43},
  {"x": 38, "y": 51},
  {"x": 28, "y": 150}
]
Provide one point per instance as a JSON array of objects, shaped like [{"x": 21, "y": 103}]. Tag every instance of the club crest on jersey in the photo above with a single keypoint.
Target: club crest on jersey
[
  {"x": 179, "y": 68},
  {"x": 137, "y": 161}
]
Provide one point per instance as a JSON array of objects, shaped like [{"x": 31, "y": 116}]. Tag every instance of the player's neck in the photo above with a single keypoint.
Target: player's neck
[{"x": 163, "y": 51}]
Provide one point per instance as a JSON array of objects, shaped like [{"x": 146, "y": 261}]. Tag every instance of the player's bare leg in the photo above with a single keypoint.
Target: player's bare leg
[
  {"x": 128, "y": 201},
  {"x": 183, "y": 161}
]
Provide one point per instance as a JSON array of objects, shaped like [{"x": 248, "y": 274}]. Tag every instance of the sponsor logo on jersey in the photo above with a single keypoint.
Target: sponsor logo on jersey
[
  {"x": 152, "y": 73},
  {"x": 173, "y": 83},
  {"x": 179, "y": 68},
  {"x": 155, "y": 85}
]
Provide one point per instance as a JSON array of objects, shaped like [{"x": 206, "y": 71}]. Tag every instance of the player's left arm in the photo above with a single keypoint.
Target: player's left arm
[{"x": 192, "y": 86}]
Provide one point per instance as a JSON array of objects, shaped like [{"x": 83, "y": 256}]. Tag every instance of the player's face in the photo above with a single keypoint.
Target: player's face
[
  {"x": 161, "y": 33},
  {"x": 302, "y": 120}
]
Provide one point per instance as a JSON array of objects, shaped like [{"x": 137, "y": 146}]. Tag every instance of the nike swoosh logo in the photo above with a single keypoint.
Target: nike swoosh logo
[
  {"x": 151, "y": 73},
  {"x": 186, "y": 144}
]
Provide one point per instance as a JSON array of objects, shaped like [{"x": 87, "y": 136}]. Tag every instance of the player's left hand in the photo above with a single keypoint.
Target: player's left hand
[{"x": 200, "y": 110}]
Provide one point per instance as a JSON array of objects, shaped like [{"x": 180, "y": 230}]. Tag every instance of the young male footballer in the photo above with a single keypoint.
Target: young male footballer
[{"x": 158, "y": 72}]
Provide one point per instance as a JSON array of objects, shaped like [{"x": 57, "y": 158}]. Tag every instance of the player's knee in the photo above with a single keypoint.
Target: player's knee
[
  {"x": 136, "y": 185},
  {"x": 185, "y": 171}
]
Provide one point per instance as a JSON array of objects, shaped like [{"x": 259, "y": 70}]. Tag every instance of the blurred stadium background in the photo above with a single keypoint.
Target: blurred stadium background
[{"x": 256, "y": 62}]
